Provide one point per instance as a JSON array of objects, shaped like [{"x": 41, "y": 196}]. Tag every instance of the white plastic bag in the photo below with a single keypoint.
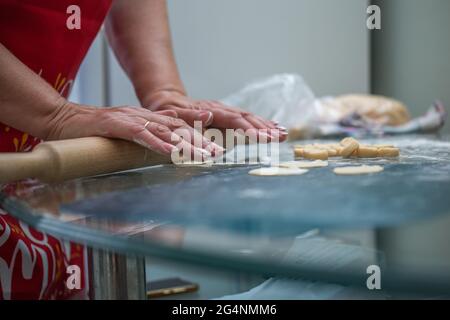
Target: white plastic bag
[{"x": 285, "y": 98}]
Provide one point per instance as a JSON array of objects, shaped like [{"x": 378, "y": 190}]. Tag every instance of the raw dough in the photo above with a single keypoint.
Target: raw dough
[
  {"x": 358, "y": 170},
  {"x": 388, "y": 152},
  {"x": 276, "y": 171},
  {"x": 383, "y": 146},
  {"x": 349, "y": 145},
  {"x": 304, "y": 164},
  {"x": 298, "y": 152},
  {"x": 366, "y": 152},
  {"x": 333, "y": 152},
  {"x": 315, "y": 154}
]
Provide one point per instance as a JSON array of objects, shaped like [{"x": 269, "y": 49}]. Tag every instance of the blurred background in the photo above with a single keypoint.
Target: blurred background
[{"x": 222, "y": 45}]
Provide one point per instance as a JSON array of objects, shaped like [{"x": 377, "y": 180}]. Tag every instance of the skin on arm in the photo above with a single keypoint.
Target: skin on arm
[
  {"x": 30, "y": 104},
  {"x": 138, "y": 31}
]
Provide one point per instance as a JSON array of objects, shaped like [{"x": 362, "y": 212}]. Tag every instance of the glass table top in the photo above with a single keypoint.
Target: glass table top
[{"x": 306, "y": 226}]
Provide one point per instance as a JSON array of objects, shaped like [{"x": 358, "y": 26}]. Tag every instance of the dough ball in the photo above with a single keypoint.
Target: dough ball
[
  {"x": 276, "y": 171},
  {"x": 358, "y": 170},
  {"x": 304, "y": 164}
]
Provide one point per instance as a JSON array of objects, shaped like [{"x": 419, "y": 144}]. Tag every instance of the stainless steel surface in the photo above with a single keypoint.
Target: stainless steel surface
[{"x": 117, "y": 276}]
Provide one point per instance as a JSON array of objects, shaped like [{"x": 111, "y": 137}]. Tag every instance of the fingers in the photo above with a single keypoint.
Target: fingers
[
  {"x": 188, "y": 151},
  {"x": 222, "y": 117},
  {"x": 230, "y": 117},
  {"x": 253, "y": 127},
  {"x": 259, "y": 122},
  {"x": 168, "y": 113},
  {"x": 181, "y": 128},
  {"x": 114, "y": 124},
  {"x": 191, "y": 115},
  {"x": 146, "y": 139},
  {"x": 155, "y": 131},
  {"x": 273, "y": 129}
]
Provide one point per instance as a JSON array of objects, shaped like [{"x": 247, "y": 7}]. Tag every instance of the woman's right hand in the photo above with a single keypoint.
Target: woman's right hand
[{"x": 159, "y": 131}]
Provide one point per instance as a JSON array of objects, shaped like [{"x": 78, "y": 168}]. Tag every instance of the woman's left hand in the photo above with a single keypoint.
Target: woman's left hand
[{"x": 215, "y": 114}]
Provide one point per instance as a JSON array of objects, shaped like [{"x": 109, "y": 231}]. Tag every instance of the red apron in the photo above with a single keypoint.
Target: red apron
[{"x": 33, "y": 264}]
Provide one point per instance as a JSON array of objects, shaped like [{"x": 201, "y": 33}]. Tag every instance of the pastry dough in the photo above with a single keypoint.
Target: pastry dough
[
  {"x": 358, "y": 170},
  {"x": 349, "y": 145},
  {"x": 366, "y": 152},
  {"x": 388, "y": 152},
  {"x": 276, "y": 171},
  {"x": 298, "y": 152},
  {"x": 315, "y": 154}
]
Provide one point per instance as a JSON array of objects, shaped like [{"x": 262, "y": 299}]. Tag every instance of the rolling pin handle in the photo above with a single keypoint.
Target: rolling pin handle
[{"x": 21, "y": 165}]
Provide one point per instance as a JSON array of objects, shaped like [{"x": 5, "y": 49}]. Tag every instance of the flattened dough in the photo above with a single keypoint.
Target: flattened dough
[
  {"x": 304, "y": 164},
  {"x": 276, "y": 171},
  {"x": 358, "y": 170}
]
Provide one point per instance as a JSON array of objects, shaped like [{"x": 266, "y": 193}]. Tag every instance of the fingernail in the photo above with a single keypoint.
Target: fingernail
[
  {"x": 206, "y": 117},
  {"x": 282, "y": 128},
  {"x": 275, "y": 122}
]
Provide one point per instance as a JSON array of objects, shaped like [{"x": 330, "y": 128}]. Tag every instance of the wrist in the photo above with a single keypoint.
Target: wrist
[
  {"x": 71, "y": 120},
  {"x": 155, "y": 98}
]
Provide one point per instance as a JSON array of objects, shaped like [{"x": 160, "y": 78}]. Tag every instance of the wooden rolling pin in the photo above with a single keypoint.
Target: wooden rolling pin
[{"x": 74, "y": 158}]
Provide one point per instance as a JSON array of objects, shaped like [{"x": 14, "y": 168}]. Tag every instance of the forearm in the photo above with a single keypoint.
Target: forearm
[
  {"x": 138, "y": 31},
  {"x": 30, "y": 104},
  {"x": 27, "y": 102}
]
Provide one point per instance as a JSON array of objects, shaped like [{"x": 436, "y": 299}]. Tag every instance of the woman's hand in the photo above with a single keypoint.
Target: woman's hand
[
  {"x": 214, "y": 114},
  {"x": 160, "y": 131}
]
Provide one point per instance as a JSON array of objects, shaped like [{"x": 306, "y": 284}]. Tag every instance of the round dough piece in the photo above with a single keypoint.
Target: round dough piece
[
  {"x": 298, "y": 152},
  {"x": 304, "y": 164},
  {"x": 332, "y": 152},
  {"x": 315, "y": 154},
  {"x": 276, "y": 171},
  {"x": 388, "y": 152},
  {"x": 367, "y": 152},
  {"x": 357, "y": 170},
  {"x": 383, "y": 146},
  {"x": 348, "y": 149}
]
